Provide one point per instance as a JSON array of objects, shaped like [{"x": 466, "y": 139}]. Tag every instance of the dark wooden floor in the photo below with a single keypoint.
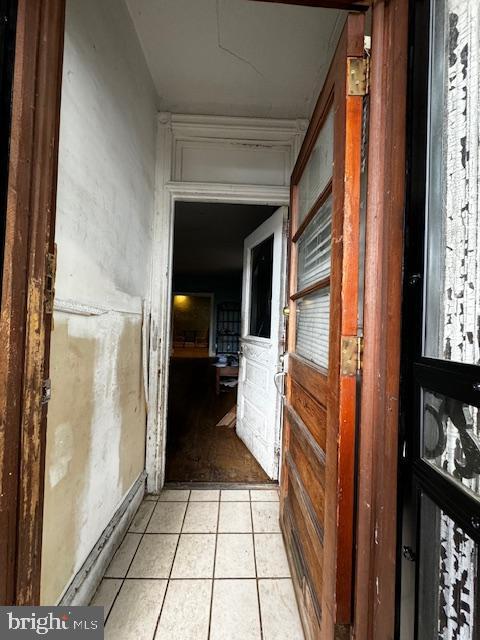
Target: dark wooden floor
[{"x": 198, "y": 450}]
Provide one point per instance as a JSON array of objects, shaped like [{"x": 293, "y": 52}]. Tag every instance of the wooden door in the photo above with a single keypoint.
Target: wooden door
[
  {"x": 317, "y": 482},
  {"x": 262, "y": 341}
]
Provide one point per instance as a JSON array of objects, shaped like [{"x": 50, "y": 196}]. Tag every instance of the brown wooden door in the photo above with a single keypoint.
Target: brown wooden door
[{"x": 317, "y": 482}]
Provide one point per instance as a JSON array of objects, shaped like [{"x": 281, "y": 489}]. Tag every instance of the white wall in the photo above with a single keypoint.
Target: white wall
[{"x": 105, "y": 207}]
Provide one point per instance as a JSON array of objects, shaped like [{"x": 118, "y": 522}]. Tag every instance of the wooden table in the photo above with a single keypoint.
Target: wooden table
[{"x": 224, "y": 372}]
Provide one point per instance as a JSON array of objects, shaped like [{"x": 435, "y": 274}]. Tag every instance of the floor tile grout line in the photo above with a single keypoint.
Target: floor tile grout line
[
  {"x": 196, "y": 533},
  {"x": 204, "y": 578},
  {"x": 187, "y": 502},
  {"x": 256, "y": 570},
  {"x": 214, "y": 566},
  {"x": 170, "y": 572},
  {"x": 133, "y": 557}
]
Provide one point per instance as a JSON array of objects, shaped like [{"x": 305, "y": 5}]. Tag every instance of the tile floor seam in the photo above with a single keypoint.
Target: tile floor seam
[
  {"x": 161, "y": 533},
  {"x": 214, "y": 564},
  {"x": 201, "y": 533},
  {"x": 131, "y": 561},
  {"x": 190, "y": 579},
  {"x": 256, "y": 571},
  {"x": 171, "y": 580},
  {"x": 171, "y": 569}
]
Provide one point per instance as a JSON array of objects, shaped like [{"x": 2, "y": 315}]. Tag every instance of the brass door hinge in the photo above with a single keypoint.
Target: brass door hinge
[
  {"x": 351, "y": 359},
  {"x": 358, "y": 76},
  {"x": 50, "y": 273}
]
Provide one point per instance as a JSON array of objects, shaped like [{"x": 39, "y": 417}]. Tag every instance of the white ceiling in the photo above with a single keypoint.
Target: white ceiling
[{"x": 236, "y": 57}]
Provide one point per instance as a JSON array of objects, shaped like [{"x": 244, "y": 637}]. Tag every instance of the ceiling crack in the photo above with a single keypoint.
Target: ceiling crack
[{"x": 227, "y": 50}]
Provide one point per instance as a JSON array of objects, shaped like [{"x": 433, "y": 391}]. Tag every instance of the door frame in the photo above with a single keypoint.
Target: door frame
[
  {"x": 25, "y": 320},
  {"x": 176, "y": 135},
  {"x": 377, "y": 457},
  {"x": 161, "y": 303}
]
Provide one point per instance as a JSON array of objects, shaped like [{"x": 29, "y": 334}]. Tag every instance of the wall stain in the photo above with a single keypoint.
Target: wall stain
[
  {"x": 131, "y": 451},
  {"x": 69, "y": 439}
]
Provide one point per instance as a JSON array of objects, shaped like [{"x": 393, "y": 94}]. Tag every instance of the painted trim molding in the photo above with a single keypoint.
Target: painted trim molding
[
  {"x": 262, "y": 137},
  {"x": 84, "y": 585},
  {"x": 80, "y": 309}
]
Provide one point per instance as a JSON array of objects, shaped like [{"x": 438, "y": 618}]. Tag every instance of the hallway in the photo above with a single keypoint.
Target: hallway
[
  {"x": 197, "y": 449},
  {"x": 202, "y": 565}
]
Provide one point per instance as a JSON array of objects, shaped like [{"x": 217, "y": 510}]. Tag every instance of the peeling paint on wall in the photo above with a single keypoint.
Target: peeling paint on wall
[
  {"x": 68, "y": 452},
  {"x": 105, "y": 209}
]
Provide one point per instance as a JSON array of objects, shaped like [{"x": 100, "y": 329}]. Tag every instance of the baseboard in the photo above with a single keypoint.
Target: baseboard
[{"x": 83, "y": 586}]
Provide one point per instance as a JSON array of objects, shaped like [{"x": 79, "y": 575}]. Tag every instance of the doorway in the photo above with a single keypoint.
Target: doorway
[
  {"x": 225, "y": 313},
  {"x": 51, "y": 22}
]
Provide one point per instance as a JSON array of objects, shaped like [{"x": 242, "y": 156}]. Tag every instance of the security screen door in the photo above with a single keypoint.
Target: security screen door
[
  {"x": 317, "y": 479},
  {"x": 442, "y": 316}
]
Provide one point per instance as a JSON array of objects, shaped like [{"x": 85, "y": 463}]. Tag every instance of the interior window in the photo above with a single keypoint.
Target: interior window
[
  {"x": 261, "y": 289},
  {"x": 313, "y": 325}
]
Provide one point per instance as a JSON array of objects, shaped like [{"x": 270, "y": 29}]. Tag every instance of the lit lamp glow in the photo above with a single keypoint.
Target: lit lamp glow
[{"x": 181, "y": 302}]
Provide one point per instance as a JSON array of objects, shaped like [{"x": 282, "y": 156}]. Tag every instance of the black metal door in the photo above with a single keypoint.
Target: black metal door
[{"x": 439, "y": 590}]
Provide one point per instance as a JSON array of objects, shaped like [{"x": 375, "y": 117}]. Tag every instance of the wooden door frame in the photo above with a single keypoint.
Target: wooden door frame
[
  {"x": 24, "y": 322},
  {"x": 376, "y": 547}
]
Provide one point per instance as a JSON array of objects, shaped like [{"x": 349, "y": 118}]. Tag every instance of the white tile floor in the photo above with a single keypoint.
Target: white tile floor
[{"x": 201, "y": 565}]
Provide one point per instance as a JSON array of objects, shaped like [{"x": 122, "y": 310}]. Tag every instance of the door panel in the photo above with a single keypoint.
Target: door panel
[
  {"x": 310, "y": 412},
  {"x": 262, "y": 341},
  {"x": 319, "y": 425}
]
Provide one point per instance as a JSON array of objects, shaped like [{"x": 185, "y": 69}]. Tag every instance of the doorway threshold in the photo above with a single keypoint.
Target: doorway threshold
[{"x": 221, "y": 485}]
